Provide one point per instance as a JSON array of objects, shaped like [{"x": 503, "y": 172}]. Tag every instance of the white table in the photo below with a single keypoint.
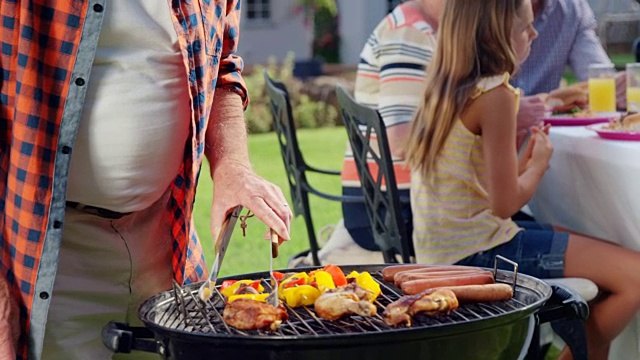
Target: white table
[{"x": 593, "y": 187}]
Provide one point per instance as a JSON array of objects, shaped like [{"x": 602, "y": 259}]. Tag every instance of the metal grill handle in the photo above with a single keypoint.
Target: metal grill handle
[{"x": 122, "y": 338}]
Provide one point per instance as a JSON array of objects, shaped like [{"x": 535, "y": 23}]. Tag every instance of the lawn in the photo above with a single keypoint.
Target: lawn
[{"x": 323, "y": 148}]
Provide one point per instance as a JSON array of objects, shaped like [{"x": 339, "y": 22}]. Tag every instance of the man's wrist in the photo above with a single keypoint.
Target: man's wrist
[{"x": 221, "y": 166}]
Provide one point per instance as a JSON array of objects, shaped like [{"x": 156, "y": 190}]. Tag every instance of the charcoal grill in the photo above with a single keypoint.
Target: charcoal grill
[{"x": 180, "y": 326}]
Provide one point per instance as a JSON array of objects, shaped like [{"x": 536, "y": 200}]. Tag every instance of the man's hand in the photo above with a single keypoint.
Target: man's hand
[
  {"x": 9, "y": 322},
  {"x": 236, "y": 184}
]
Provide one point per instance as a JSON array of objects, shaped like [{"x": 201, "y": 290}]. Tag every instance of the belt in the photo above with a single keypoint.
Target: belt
[{"x": 105, "y": 213}]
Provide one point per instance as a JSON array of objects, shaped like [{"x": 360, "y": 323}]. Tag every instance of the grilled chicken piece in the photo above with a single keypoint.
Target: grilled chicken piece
[
  {"x": 247, "y": 314},
  {"x": 430, "y": 302},
  {"x": 343, "y": 301}
]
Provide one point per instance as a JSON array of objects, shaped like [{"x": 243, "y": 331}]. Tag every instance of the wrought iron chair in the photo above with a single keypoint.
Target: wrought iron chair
[
  {"x": 294, "y": 163},
  {"x": 388, "y": 228},
  {"x": 365, "y": 129}
]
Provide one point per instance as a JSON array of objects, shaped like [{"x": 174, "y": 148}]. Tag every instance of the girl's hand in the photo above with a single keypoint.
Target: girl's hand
[
  {"x": 546, "y": 128},
  {"x": 525, "y": 156},
  {"x": 541, "y": 149}
]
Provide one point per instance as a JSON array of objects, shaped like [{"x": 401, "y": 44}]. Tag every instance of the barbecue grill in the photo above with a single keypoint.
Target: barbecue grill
[{"x": 180, "y": 326}]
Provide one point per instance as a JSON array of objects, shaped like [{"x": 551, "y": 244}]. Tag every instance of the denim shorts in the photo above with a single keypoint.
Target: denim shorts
[{"x": 538, "y": 250}]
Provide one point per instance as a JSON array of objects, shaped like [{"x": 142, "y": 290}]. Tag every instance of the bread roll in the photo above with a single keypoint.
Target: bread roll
[
  {"x": 631, "y": 122},
  {"x": 567, "y": 98}
]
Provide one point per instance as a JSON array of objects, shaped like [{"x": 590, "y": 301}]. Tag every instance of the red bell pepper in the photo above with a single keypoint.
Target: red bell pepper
[
  {"x": 278, "y": 275},
  {"x": 336, "y": 274}
]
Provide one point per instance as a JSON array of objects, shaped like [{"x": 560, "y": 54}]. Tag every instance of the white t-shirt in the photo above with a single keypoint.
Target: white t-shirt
[{"x": 136, "y": 116}]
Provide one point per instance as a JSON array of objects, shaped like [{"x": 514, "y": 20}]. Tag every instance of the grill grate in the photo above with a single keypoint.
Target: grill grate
[{"x": 183, "y": 311}]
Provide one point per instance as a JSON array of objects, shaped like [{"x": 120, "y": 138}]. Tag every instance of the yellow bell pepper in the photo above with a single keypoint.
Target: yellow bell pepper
[
  {"x": 301, "y": 295},
  {"x": 353, "y": 274},
  {"x": 231, "y": 289},
  {"x": 257, "y": 297},
  {"x": 301, "y": 278},
  {"x": 366, "y": 281},
  {"x": 323, "y": 280}
]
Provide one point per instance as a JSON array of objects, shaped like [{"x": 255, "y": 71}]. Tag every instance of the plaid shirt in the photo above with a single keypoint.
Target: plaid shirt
[{"x": 46, "y": 56}]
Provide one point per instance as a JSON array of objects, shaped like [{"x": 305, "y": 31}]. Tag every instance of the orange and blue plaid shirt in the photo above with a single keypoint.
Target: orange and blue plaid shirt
[{"x": 46, "y": 54}]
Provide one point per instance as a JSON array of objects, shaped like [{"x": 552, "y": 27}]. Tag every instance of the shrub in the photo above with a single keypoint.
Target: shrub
[{"x": 307, "y": 111}]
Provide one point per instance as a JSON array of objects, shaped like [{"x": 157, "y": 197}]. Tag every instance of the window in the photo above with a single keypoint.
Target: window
[
  {"x": 258, "y": 9},
  {"x": 391, "y": 4}
]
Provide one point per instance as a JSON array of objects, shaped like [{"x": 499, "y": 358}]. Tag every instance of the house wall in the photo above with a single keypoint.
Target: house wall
[
  {"x": 357, "y": 19},
  {"x": 285, "y": 32}
]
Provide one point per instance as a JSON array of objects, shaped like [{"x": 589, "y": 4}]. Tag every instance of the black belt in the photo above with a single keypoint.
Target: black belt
[{"x": 105, "y": 213}]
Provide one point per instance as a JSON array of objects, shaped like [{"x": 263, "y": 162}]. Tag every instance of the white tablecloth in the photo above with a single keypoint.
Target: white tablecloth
[{"x": 593, "y": 187}]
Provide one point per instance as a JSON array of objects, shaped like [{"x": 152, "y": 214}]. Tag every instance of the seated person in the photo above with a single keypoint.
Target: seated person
[{"x": 574, "y": 23}]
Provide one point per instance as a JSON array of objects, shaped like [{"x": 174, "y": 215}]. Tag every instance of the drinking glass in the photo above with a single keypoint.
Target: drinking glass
[
  {"x": 633, "y": 87},
  {"x": 602, "y": 88}
]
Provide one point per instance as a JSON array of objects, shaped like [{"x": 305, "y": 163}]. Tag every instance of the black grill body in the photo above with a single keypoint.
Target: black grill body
[{"x": 179, "y": 326}]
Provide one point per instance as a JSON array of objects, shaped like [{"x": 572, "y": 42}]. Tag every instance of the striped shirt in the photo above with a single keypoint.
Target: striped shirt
[
  {"x": 566, "y": 37},
  {"x": 47, "y": 49},
  {"x": 452, "y": 218},
  {"x": 391, "y": 75}
]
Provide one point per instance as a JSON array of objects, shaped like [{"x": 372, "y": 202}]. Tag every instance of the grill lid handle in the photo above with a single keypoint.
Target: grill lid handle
[
  {"x": 122, "y": 338},
  {"x": 565, "y": 311},
  {"x": 563, "y": 304}
]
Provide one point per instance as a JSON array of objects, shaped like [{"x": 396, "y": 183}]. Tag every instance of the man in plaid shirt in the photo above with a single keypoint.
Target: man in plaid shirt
[{"x": 106, "y": 112}]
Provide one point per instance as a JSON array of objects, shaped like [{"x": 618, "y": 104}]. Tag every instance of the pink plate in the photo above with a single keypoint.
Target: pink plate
[
  {"x": 568, "y": 120},
  {"x": 615, "y": 134}
]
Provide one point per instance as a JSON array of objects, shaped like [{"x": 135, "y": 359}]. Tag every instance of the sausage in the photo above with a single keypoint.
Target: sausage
[
  {"x": 482, "y": 293},
  {"x": 410, "y": 275},
  {"x": 416, "y": 286},
  {"x": 390, "y": 271}
]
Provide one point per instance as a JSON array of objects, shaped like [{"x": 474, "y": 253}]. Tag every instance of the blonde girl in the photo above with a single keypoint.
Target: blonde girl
[{"x": 467, "y": 179}]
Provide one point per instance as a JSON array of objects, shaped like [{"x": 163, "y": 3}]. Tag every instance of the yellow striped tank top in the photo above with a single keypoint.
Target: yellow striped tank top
[{"x": 452, "y": 218}]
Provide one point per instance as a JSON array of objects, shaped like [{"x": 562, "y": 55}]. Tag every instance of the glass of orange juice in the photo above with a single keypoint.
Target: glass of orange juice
[
  {"x": 602, "y": 88},
  {"x": 633, "y": 87}
]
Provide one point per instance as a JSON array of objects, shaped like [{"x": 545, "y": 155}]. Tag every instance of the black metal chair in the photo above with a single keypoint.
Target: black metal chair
[
  {"x": 294, "y": 163},
  {"x": 381, "y": 195}
]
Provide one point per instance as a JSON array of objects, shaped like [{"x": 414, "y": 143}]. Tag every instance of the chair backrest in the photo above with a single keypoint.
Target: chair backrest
[
  {"x": 294, "y": 163},
  {"x": 285, "y": 130},
  {"x": 368, "y": 138}
]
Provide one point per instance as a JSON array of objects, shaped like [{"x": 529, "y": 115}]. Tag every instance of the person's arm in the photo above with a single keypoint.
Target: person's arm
[
  {"x": 586, "y": 48},
  {"x": 508, "y": 190},
  {"x": 402, "y": 73},
  {"x": 235, "y": 182}
]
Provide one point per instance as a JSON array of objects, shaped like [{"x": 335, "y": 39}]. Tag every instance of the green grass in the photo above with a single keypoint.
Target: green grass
[
  {"x": 619, "y": 60},
  {"x": 322, "y": 148}
]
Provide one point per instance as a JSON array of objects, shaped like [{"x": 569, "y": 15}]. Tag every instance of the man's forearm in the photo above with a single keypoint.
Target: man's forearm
[{"x": 226, "y": 137}]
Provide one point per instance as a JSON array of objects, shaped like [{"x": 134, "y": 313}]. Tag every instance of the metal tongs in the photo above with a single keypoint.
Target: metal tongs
[
  {"x": 206, "y": 289},
  {"x": 273, "y": 297}
]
